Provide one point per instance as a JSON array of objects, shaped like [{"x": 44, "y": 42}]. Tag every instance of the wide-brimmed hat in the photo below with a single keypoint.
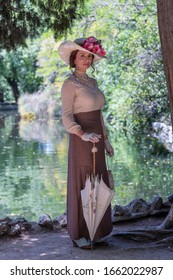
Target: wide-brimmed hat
[{"x": 90, "y": 45}]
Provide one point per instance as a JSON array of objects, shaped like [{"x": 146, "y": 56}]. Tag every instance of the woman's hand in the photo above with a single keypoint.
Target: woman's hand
[
  {"x": 109, "y": 149},
  {"x": 92, "y": 137}
]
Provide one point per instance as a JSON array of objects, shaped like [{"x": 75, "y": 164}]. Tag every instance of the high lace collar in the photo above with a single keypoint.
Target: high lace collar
[{"x": 81, "y": 74}]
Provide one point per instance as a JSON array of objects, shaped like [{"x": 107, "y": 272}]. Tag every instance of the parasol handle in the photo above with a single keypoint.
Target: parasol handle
[{"x": 94, "y": 150}]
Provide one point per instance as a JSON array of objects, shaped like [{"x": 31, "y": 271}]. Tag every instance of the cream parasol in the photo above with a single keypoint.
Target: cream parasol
[{"x": 96, "y": 197}]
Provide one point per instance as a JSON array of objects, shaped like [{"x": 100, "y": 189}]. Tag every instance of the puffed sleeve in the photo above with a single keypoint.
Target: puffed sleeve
[{"x": 68, "y": 96}]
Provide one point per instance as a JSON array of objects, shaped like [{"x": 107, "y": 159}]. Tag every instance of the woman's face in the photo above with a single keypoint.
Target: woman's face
[{"x": 83, "y": 60}]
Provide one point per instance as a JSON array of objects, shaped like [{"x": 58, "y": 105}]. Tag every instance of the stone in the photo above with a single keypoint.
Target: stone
[
  {"x": 14, "y": 226},
  {"x": 138, "y": 205},
  {"x": 45, "y": 221},
  {"x": 8, "y": 220},
  {"x": 156, "y": 203},
  {"x": 61, "y": 220},
  {"x": 4, "y": 228},
  {"x": 119, "y": 210},
  {"x": 163, "y": 132},
  {"x": 19, "y": 220},
  {"x": 22, "y": 222},
  {"x": 170, "y": 198},
  {"x": 15, "y": 230},
  {"x": 168, "y": 222}
]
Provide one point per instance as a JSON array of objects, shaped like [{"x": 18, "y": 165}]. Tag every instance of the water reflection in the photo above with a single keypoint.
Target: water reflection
[
  {"x": 33, "y": 169},
  {"x": 139, "y": 173}
]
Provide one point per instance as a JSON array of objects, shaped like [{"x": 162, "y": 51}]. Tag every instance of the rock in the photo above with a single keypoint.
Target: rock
[
  {"x": 13, "y": 227},
  {"x": 166, "y": 204},
  {"x": 156, "y": 203},
  {"x": 22, "y": 222},
  {"x": 119, "y": 210},
  {"x": 8, "y": 220},
  {"x": 15, "y": 230},
  {"x": 170, "y": 198},
  {"x": 163, "y": 132},
  {"x": 138, "y": 205},
  {"x": 61, "y": 220},
  {"x": 4, "y": 228},
  {"x": 168, "y": 222},
  {"x": 136, "y": 209},
  {"x": 45, "y": 221},
  {"x": 19, "y": 220}
]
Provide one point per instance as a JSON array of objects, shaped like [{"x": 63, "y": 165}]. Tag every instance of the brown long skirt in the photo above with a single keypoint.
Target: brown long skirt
[{"x": 80, "y": 164}]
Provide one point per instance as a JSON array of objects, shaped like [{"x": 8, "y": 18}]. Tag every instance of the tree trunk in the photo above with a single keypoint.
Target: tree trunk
[
  {"x": 15, "y": 89},
  {"x": 165, "y": 23}
]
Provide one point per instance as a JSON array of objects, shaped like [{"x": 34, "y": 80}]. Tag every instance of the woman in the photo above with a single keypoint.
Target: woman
[{"x": 82, "y": 102}]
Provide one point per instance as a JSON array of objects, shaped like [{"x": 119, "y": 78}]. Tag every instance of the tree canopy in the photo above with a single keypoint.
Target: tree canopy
[
  {"x": 24, "y": 19},
  {"x": 18, "y": 69}
]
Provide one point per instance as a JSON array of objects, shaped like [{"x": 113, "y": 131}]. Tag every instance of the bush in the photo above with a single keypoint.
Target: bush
[{"x": 40, "y": 105}]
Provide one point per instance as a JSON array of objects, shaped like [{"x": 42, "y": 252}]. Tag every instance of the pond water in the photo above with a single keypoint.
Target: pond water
[{"x": 33, "y": 169}]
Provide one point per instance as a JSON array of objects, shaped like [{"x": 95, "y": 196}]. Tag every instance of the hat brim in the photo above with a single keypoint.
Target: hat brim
[{"x": 67, "y": 47}]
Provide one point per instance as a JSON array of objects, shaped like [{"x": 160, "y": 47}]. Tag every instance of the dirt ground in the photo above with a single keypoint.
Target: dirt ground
[{"x": 43, "y": 244}]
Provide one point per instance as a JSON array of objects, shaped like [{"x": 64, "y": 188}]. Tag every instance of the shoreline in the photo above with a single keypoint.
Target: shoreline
[{"x": 125, "y": 243}]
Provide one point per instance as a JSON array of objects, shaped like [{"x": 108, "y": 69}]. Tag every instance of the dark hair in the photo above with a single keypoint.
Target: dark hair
[{"x": 73, "y": 57}]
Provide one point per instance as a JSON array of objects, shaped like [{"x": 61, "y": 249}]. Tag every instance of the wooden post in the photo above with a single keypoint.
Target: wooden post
[{"x": 165, "y": 23}]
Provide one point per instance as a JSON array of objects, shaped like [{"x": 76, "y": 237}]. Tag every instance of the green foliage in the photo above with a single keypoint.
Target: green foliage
[
  {"x": 47, "y": 59},
  {"x": 20, "y": 66},
  {"x": 132, "y": 77},
  {"x": 138, "y": 172},
  {"x": 20, "y": 20}
]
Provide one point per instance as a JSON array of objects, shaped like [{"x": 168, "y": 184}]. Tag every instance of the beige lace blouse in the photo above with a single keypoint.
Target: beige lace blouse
[{"x": 79, "y": 95}]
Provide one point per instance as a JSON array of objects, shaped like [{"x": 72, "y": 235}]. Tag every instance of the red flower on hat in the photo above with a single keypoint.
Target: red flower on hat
[
  {"x": 92, "y": 39},
  {"x": 88, "y": 46},
  {"x": 93, "y": 45},
  {"x": 102, "y": 52},
  {"x": 96, "y": 48}
]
